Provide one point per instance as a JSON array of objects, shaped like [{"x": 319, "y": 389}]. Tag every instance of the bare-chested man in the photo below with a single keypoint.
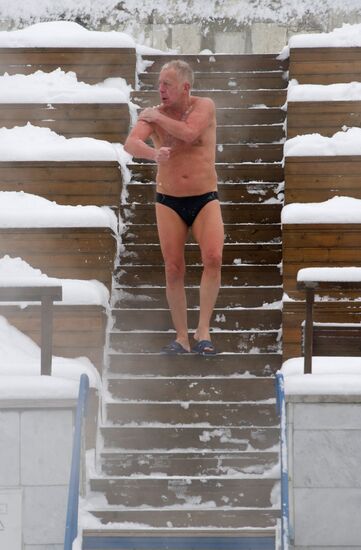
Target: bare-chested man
[{"x": 183, "y": 131}]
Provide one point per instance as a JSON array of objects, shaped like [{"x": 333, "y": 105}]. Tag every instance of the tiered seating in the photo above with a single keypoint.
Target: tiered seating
[
  {"x": 69, "y": 252},
  {"x": 316, "y": 179},
  {"x": 325, "y": 65},
  {"x": 84, "y": 182},
  {"x": 91, "y": 65},
  {"x": 316, "y": 245},
  {"x": 98, "y": 120},
  {"x": 323, "y": 117}
]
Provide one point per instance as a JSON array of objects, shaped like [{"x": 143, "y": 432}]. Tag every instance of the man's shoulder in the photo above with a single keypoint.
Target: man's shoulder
[
  {"x": 203, "y": 99},
  {"x": 205, "y": 102}
]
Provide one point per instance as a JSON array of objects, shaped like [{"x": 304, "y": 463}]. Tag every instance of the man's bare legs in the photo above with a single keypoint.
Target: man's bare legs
[
  {"x": 209, "y": 232},
  {"x": 172, "y": 237}
]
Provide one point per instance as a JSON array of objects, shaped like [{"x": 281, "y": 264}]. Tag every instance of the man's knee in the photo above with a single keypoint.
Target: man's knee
[
  {"x": 212, "y": 259},
  {"x": 174, "y": 270}
]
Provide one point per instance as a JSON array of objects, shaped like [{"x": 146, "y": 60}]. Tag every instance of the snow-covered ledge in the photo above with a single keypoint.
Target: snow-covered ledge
[
  {"x": 324, "y": 449},
  {"x": 36, "y": 432}
]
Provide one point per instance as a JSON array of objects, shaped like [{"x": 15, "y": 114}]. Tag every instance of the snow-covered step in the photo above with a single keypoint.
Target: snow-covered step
[
  {"x": 238, "y": 254},
  {"x": 227, "y": 172},
  {"x": 113, "y": 463},
  {"x": 232, "y": 275},
  {"x": 253, "y": 191},
  {"x": 239, "y": 523},
  {"x": 226, "y": 364},
  {"x": 205, "y": 390},
  {"x": 224, "y": 319},
  {"x": 252, "y": 152},
  {"x": 186, "y": 438},
  {"x": 206, "y": 493},
  {"x": 223, "y": 98},
  {"x": 264, "y": 341},
  {"x": 186, "y": 414},
  {"x": 213, "y": 62},
  {"x": 245, "y": 80},
  {"x": 234, "y": 233},
  {"x": 248, "y": 296},
  {"x": 232, "y": 213},
  {"x": 257, "y": 115}
]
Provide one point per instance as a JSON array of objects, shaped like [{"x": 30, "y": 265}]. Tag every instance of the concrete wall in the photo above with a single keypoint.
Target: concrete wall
[
  {"x": 35, "y": 457},
  {"x": 324, "y": 437}
]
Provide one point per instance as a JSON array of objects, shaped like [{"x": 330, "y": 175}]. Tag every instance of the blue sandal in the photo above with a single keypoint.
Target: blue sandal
[
  {"x": 174, "y": 348},
  {"x": 204, "y": 347}
]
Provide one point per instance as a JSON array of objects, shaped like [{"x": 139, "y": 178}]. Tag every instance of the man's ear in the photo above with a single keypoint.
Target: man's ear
[{"x": 187, "y": 86}]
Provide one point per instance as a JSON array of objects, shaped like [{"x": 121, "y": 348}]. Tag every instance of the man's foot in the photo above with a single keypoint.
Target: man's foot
[
  {"x": 174, "y": 348},
  {"x": 204, "y": 347}
]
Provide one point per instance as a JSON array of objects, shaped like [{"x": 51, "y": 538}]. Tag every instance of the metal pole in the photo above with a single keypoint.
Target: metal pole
[
  {"x": 46, "y": 334},
  {"x": 308, "y": 339}
]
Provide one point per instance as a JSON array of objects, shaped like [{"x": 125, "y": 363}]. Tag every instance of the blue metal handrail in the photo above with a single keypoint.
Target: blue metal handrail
[
  {"x": 281, "y": 410},
  {"x": 71, "y": 525}
]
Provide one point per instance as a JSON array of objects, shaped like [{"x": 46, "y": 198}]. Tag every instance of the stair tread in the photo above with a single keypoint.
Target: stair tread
[{"x": 187, "y": 520}]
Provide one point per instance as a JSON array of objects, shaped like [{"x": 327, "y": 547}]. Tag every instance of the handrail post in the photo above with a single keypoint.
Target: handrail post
[
  {"x": 71, "y": 526},
  {"x": 308, "y": 334},
  {"x": 46, "y": 334}
]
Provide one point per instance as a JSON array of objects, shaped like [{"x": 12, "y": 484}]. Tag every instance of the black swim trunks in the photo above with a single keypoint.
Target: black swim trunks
[{"x": 187, "y": 208}]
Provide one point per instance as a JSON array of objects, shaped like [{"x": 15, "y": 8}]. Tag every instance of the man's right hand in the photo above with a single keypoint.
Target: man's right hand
[{"x": 162, "y": 154}]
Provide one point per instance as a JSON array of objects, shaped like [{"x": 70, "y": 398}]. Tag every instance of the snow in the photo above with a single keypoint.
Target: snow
[
  {"x": 59, "y": 86},
  {"x": 323, "y": 92},
  {"x": 335, "y": 210},
  {"x": 342, "y": 143},
  {"x": 56, "y": 34},
  {"x": 330, "y": 376},
  {"x": 20, "y": 369},
  {"x": 95, "y": 12},
  {"x": 333, "y": 274},
  {"x": 17, "y": 272},
  {"x": 19, "y": 209},
  {"x": 28, "y": 143},
  {"x": 344, "y": 37}
]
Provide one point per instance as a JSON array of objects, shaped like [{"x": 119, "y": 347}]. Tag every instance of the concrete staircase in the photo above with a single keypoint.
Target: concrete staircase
[{"x": 189, "y": 443}]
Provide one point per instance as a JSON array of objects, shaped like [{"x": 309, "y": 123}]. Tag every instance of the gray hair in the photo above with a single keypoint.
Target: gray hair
[{"x": 184, "y": 70}]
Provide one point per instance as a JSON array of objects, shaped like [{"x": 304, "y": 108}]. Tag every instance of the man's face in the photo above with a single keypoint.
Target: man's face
[{"x": 171, "y": 88}]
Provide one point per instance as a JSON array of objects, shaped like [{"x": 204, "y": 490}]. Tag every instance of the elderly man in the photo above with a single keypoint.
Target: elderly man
[{"x": 183, "y": 131}]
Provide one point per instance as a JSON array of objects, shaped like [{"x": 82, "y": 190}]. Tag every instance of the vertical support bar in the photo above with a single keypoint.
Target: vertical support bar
[
  {"x": 46, "y": 335},
  {"x": 308, "y": 340},
  {"x": 281, "y": 409}
]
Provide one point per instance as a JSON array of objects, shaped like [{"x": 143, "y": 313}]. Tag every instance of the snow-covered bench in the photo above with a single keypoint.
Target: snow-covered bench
[
  {"x": 92, "y": 55},
  {"x": 78, "y": 242},
  {"x": 326, "y": 58},
  {"x": 83, "y": 182},
  {"x": 46, "y": 295},
  {"x": 73, "y": 171},
  {"x": 58, "y": 101},
  {"x": 80, "y": 319},
  {"x": 318, "y": 167},
  {"x": 318, "y": 280}
]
